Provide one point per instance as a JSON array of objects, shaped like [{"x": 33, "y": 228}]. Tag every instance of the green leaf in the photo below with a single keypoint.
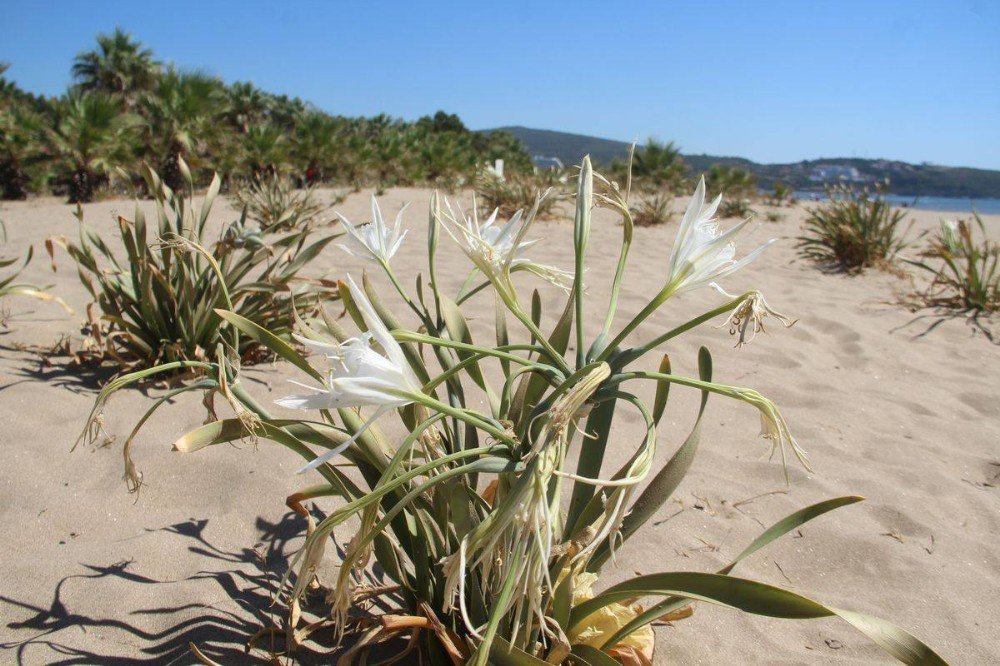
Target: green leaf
[
  {"x": 789, "y": 523},
  {"x": 591, "y": 460},
  {"x": 779, "y": 529},
  {"x": 269, "y": 340},
  {"x": 591, "y": 656},
  {"x": 662, "y": 391},
  {"x": 759, "y": 599},
  {"x": 503, "y": 653},
  {"x": 667, "y": 479},
  {"x": 533, "y": 385}
]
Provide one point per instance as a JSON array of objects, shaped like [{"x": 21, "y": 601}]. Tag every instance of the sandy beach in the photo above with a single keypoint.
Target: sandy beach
[{"x": 899, "y": 407}]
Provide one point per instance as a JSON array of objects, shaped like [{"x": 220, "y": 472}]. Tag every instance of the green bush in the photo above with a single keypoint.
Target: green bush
[
  {"x": 158, "y": 293},
  {"x": 853, "y": 230},
  {"x": 126, "y": 107},
  {"x": 735, "y": 208},
  {"x": 968, "y": 276},
  {"x": 653, "y": 211},
  {"x": 273, "y": 203},
  {"x": 516, "y": 192}
]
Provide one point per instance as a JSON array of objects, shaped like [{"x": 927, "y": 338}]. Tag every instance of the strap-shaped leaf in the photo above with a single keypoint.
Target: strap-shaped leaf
[
  {"x": 667, "y": 479},
  {"x": 269, "y": 340},
  {"x": 503, "y": 653},
  {"x": 779, "y": 529},
  {"x": 760, "y": 599},
  {"x": 586, "y": 655},
  {"x": 591, "y": 458},
  {"x": 663, "y": 391},
  {"x": 532, "y": 386},
  {"x": 458, "y": 330}
]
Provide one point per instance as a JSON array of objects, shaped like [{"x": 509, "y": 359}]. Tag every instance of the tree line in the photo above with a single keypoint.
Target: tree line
[{"x": 125, "y": 107}]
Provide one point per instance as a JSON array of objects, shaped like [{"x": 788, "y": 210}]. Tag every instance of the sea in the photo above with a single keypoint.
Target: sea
[{"x": 943, "y": 204}]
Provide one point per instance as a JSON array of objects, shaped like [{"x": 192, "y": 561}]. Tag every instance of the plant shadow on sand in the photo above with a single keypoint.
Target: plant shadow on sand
[
  {"x": 249, "y": 578},
  {"x": 928, "y": 318},
  {"x": 44, "y": 364}
]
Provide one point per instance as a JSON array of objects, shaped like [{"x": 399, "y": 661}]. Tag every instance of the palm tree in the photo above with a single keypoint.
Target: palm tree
[
  {"x": 736, "y": 183},
  {"x": 20, "y": 129},
  {"x": 284, "y": 111},
  {"x": 180, "y": 115},
  {"x": 263, "y": 150},
  {"x": 92, "y": 137},
  {"x": 120, "y": 66},
  {"x": 658, "y": 166},
  {"x": 246, "y": 105},
  {"x": 315, "y": 143},
  {"x": 20, "y": 132}
]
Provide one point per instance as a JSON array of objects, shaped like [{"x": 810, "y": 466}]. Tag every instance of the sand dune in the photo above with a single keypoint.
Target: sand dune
[{"x": 891, "y": 405}]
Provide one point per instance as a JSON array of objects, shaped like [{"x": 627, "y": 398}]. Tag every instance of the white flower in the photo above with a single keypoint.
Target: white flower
[
  {"x": 497, "y": 250},
  {"x": 701, "y": 254},
  {"x": 374, "y": 241},
  {"x": 360, "y": 375}
]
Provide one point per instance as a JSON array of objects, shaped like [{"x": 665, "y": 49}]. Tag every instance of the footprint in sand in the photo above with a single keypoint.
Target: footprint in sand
[{"x": 847, "y": 347}]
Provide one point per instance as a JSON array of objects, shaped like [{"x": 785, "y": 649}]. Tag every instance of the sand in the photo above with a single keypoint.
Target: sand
[{"x": 896, "y": 406}]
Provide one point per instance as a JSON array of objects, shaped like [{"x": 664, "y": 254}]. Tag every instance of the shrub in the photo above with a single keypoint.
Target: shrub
[
  {"x": 274, "y": 203},
  {"x": 8, "y": 286},
  {"x": 92, "y": 137},
  {"x": 655, "y": 167},
  {"x": 158, "y": 297},
  {"x": 781, "y": 195},
  {"x": 735, "y": 182},
  {"x": 853, "y": 230},
  {"x": 491, "y": 541},
  {"x": 653, "y": 211},
  {"x": 969, "y": 274},
  {"x": 516, "y": 192},
  {"x": 735, "y": 208}
]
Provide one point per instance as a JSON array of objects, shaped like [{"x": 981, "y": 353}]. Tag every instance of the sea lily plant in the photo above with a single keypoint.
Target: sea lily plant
[{"x": 491, "y": 526}]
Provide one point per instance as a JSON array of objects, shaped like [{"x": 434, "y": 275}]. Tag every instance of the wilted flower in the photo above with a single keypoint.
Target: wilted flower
[
  {"x": 748, "y": 317},
  {"x": 602, "y": 624},
  {"x": 497, "y": 250},
  {"x": 374, "y": 241},
  {"x": 359, "y": 375},
  {"x": 701, "y": 254},
  {"x": 773, "y": 426}
]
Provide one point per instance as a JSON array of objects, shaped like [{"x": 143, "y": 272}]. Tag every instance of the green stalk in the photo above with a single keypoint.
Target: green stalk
[
  {"x": 581, "y": 233},
  {"x": 510, "y": 300},
  {"x": 410, "y": 336},
  {"x": 636, "y": 352},
  {"x": 650, "y": 308}
]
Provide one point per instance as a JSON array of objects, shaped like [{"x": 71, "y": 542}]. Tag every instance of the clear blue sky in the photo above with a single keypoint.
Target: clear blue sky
[{"x": 774, "y": 81}]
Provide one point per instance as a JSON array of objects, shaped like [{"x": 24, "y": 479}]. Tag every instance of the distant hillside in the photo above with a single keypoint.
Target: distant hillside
[{"x": 906, "y": 179}]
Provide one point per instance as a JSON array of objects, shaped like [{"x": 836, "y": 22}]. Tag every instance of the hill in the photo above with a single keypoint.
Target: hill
[{"x": 926, "y": 180}]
